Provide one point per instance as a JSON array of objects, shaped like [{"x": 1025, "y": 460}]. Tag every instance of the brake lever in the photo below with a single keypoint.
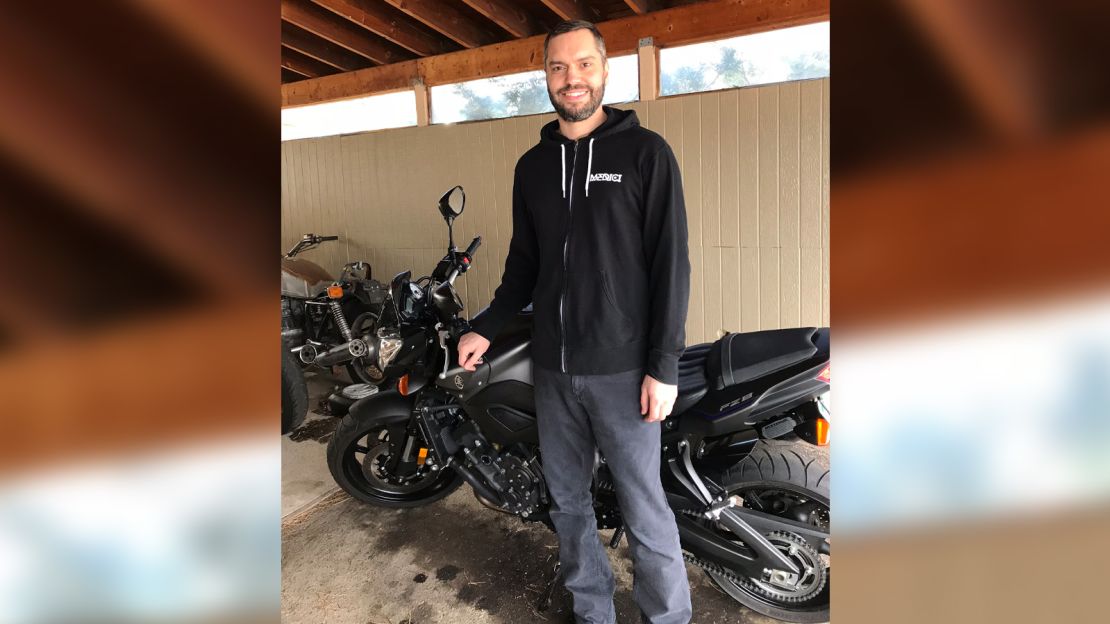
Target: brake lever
[{"x": 443, "y": 333}]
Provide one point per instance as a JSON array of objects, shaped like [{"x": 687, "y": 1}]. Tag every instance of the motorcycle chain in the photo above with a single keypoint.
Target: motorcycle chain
[{"x": 744, "y": 581}]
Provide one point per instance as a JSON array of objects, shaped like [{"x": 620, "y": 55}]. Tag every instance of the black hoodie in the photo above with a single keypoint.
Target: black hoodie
[{"x": 599, "y": 247}]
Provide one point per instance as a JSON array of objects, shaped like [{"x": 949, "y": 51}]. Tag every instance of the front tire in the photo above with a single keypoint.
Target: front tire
[
  {"x": 357, "y": 456},
  {"x": 790, "y": 480}
]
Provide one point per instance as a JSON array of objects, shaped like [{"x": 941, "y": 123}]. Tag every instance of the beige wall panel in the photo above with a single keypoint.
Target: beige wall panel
[
  {"x": 747, "y": 169},
  {"x": 769, "y": 288},
  {"x": 730, "y": 288},
  {"x": 656, "y": 115},
  {"x": 788, "y": 164},
  {"x": 810, "y": 289},
  {"x": 672, "y": 131},
  {"x": 754, "y": 166},
  {"x": 710, "y": 168},
  {"x": 728, "y": 167},
  {"x": 790, "y": 305},
  {"x": 809, "y": 166},
  {"x": 825, "y": 166},
  {"x": 749, "y": 290},
  {"x": 695, "y": 315},
  {"x": 713, "y": 313},
  {"x": 769, "y": 166},
  {"x": 692, "y": 168}
]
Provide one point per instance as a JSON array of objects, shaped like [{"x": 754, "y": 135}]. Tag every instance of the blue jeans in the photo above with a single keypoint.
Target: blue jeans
[{"x": 576, "y": 414}]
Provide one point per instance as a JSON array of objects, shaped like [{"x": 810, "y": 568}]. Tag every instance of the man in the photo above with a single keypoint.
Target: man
[{"x": 599, "y": 246}]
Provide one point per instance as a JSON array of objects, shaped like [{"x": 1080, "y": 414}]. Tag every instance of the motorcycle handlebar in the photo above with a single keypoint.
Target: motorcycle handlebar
[{"x": 474, "y": 245}]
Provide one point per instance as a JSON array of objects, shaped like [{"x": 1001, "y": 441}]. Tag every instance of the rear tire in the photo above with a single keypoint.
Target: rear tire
[
  {"x": 362, "y": 371},
  {"x": 294, "y": 392},
  {"x": 784, "y": 479}
]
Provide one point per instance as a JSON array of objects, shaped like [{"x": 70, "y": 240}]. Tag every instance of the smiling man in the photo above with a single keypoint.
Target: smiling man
[{"x": 599, "y": 247}]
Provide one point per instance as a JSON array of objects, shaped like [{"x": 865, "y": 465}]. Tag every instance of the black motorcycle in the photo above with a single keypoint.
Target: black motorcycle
[
  {"x": 741, "y": 461},
  {"x": 327, "y": 321}
]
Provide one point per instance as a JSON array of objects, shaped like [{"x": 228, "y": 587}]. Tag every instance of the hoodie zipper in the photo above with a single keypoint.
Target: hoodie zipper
[{"x": 566, "y": 242}]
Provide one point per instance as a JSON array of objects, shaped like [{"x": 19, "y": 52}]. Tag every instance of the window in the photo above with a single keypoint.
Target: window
[
  {"x": 522, "y": 94},
  {"x": 774, "y": 56},
  {"x": 391, "y": 110}
]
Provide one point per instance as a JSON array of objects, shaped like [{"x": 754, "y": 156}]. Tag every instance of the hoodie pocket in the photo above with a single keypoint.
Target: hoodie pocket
[{"x": 612, "y": 300}]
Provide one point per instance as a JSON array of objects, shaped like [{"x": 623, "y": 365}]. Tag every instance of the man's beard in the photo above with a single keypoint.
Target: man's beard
[{"x": 588, "y": 108}]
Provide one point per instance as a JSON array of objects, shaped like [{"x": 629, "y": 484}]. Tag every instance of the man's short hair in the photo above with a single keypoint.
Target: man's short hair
[{"x": 567, "y": 26}]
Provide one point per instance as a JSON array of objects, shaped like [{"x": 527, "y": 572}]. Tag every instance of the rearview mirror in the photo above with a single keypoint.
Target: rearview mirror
[{"x": 452, "y": 202}]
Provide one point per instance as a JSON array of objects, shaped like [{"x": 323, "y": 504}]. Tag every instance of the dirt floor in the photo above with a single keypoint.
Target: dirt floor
[{"x": 452, "y": 562}]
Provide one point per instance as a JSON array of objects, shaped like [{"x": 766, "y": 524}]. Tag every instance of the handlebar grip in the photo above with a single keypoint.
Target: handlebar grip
[
  {"x": 474, "y": 245},
  {"x": 328, "y": 238}
]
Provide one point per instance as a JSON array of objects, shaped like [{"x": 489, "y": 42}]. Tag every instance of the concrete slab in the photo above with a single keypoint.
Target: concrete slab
[
  {"x": 304, "y": 471},
  {"x": 452, "y": 562}
]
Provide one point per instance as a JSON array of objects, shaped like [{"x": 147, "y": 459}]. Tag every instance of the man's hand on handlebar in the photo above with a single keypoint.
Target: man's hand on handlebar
[{"x": 472, "y": 346}]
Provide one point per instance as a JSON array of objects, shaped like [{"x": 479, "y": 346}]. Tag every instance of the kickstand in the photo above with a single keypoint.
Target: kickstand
[
  {"x": 556, "y": 575},
  {"x": 617, "y": 535}
]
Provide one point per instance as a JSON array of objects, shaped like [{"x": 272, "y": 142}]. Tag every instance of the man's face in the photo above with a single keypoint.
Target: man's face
[{"x": 576, "y": 75}]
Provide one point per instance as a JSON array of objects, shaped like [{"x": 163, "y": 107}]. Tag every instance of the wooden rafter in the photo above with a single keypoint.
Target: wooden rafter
[
  {"x": 643, "y": 6},
  {"x": 513, "y": 18},
  {"x": 288, "y": 75},
  {"x": 691, "y": 23},
  {"x": 384, "y": 22},
  {"x": 305, "y": 65},
  {"x": 445, "y": 18},
  {"x": 325, "y": 24},
  {"x": 324, "y": 51},
  {"x": 573, "y": 9}
]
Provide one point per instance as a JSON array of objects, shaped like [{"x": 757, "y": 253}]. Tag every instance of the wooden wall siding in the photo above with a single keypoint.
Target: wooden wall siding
[{"x": 755, "y": 166}]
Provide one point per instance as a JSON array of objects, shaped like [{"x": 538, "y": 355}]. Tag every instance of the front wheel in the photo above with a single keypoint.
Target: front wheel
[
  {"x": 378, "y": 463},
  {"x": 789, "y": 480}
]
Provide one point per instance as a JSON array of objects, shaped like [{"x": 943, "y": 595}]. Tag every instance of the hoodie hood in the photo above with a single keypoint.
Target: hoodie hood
[{"x": 616, "y": 120}]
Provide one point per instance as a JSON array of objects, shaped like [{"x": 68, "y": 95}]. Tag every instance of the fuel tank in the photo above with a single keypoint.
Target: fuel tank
[
  {"x": 498, "y": 394},
  {"x": 303, "y": 279}
]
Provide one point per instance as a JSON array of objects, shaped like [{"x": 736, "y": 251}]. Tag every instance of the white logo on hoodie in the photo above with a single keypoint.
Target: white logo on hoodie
[{"x": 606, "y": 177}]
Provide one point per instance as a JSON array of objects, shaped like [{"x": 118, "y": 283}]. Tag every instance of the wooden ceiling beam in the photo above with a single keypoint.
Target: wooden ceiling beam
[
  {"x": 514, "y": 19},
  {"x": 305, "y": 65},
  {"x": 403, "y": 32},
  {"x": 692, "y": 23},
  {"x": 324, "y": 51},
  {"x": 573, "y": 9},
  {"x": 447, "y": 20},
  {"x": 325, "y": 24},
  {"x": 643, "y": 6},
  {"x": 288, "y": 75}
]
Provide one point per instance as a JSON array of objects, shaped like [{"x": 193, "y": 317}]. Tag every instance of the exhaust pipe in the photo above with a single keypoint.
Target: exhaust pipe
[{"x": 345, "y": 353}]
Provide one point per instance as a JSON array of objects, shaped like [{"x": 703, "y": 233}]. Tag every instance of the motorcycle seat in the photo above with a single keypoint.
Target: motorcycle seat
[
  {"x": 692, "y": 383},
  {"x": 738, "y": 358}
]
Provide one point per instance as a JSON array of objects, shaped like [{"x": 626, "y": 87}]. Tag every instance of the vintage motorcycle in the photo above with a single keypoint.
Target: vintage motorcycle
[
  {"x": 325, "y": 321},
  {"x": 741, "y": 452}
]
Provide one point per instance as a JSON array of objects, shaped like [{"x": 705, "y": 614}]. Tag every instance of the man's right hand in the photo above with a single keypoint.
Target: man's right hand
[{"x": 472, "y": 346}]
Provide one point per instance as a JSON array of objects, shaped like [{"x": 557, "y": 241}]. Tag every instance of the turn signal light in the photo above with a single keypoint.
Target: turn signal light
[
  {"x": 422, "y": 457},
  {"x": 822, "y": 426},
  {"x": 335, "y": 292},
  {"x": 403, "y": 385},
  {"x": 824, "y": 374}
]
